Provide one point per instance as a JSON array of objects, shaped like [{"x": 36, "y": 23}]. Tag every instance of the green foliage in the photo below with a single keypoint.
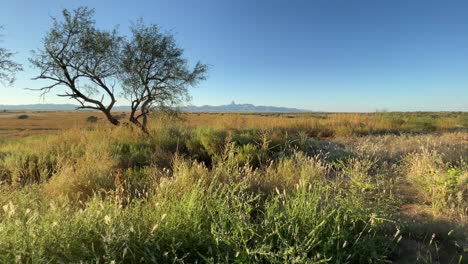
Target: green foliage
[
  {"x": 23, "y": 117},
  {"x": 133, "y": 154},
  {"x": 74, "y": 42},
  {"x": 205, "y": 143},
  {"x": 154, "y": 72},
  {"x": 8, "y": 67},
  {"x": 148, "y": 64},
  {"x": 195, "y": 217},
  {"x": 462, "y": 120},
  {"x": 27, "y": 168},
  {"x": 212, "y": 140},
  {"x": 445, "y": 187}
]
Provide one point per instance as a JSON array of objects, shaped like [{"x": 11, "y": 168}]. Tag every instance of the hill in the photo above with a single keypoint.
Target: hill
[{"x": 233, "y": 107}]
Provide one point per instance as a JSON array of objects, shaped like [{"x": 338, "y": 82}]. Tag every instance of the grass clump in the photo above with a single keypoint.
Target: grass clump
[
  {"x": 22, "y": 117},
  {"x": 441, "y": 184},
  {"x": 92, "y": 119}
]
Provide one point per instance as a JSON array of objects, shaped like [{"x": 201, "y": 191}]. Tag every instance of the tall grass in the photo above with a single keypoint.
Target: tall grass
[
  {"x": 220, "y": 195},
  {"x": 198, "y": 215}
]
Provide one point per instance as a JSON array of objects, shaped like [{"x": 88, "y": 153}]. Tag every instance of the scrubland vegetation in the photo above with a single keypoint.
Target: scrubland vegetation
[
  {"x": 108, "y": 186},
  {"x": 237, "y": 188}
]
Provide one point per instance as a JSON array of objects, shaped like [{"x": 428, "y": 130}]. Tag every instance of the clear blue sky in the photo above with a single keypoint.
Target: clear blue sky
[{"x": 329, "y": 55}]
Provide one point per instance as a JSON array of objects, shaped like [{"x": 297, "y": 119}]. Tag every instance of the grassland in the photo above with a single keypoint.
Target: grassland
[
  {"x": 235, "y": 188},
  {"x": 316, "y": 124}
]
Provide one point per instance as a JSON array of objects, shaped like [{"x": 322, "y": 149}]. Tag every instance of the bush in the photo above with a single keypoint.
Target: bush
[
  {"x": 23, "y": 117},
  {"x": 133, "y": 154},
  {"x": 440, "y": 184},
  {"x": 28, "y": 168},
  {"x": 92, "y": 119}
]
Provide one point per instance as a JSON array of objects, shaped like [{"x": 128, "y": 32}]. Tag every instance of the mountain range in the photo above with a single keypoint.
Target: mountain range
[{"x": 233, "y": 107}]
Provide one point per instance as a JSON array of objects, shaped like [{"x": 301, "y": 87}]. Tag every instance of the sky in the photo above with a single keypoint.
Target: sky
[{"x": 324, "y": 55}]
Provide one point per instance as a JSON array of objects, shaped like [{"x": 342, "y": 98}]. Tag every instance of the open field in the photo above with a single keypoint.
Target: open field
[
  {"x": 316, "y": 124},
  {"x": 235, "y": 188},
  {"x": 42, "y": 122},
  {"x": 141, "y": 173}
]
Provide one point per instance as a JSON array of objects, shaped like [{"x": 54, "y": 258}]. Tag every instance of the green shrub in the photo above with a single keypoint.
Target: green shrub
[
  {"x": 133, "y": 154},
  {"x": 439, "y": 183},
  {"x": 23, "y": 117},
  {"x": 212, "y": 140},
  {"x": 248, "y": 154},
  {"x": 206, "y": 143},
  {"x": 27, "y": 168},
  {"x": 92, "y": 119}
]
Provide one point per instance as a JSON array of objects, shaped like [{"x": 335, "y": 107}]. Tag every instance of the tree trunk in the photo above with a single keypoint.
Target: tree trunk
[
  {"x": 142, "y": 126},
  {"x": 111, "y": 119}
]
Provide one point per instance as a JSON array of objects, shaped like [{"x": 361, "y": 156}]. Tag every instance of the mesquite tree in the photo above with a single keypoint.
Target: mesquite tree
[
  {"x": 8, "y": 67},
  {"x": 154, "y": 73},
  {"x": 83, "y": 59},
  {"x": 90, "y": 62}
]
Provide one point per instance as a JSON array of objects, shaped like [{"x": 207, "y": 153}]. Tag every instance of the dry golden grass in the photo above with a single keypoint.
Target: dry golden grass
[
  {"x": 315, "y": 124},
  {"x": 372, "y": 168},
  {"x": 44, "y": 122}
]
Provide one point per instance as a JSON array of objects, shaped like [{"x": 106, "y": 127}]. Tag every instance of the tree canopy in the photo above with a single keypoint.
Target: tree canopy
[
  {"x": 82, "y": 58},
  {"x": 148, "y": 68},
  {"x": 8, "y": 67},
  {"x": 154, "y": 73}
]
